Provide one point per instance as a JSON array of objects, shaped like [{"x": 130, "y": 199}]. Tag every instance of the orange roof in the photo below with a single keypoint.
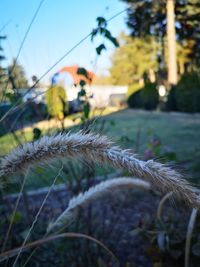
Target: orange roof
[{"x": 79, "y": 74}]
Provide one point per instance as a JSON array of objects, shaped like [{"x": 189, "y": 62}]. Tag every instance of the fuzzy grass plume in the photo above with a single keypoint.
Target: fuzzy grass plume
[
  {"x": 89, "y": 196},
  {"x": 98, "y": 149}
]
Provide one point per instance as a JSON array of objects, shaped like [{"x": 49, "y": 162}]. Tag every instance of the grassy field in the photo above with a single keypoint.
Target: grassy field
[
  {"x": 8, "y": 141},
  {"x": 178, "y": 130},
  {"x": 134, "y": 128}
]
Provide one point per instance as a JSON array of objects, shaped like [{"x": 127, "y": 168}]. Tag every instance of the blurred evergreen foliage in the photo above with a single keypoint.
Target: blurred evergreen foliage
[{"x": 56, "y": 100}]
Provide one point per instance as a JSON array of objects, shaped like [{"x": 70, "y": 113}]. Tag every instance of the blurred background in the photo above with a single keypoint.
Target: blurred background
[{"x": 129, "y": 69}]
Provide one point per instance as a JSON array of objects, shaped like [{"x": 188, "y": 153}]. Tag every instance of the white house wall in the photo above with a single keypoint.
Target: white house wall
[{"x": 99, "y": 96}]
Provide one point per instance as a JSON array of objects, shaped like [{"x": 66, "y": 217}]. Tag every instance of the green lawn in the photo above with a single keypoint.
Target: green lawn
[
  {"x": 8, "y": 141},
  {"x": 179, "y": 132}
]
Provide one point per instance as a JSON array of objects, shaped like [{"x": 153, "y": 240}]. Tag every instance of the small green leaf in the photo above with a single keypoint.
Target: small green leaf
[
  {"x": 38, "y": 170},
  {"x": 102, "y": 30},
  {"x": 100, "y": 48},
  {"x": 36, "y": 133},
  {"x": 112, "y": 123},
  {"x": 86, "y": 110},
  {"x": 107, "y": 34},
  {"x": 11, "y": 97},
  {"x": 17, "y": 217},
  {"x": 101, "y": 21},
  {"x": 82, "y": 71},
  {"x": 82, "y": 83},
  {"x": 114, "y": 41},
  {"x": 81, "y": 93},
  {"x": 93, "y": 34}
]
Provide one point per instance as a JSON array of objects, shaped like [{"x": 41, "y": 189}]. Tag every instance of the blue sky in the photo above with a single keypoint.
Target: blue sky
[{"x": 58, "y": 27}]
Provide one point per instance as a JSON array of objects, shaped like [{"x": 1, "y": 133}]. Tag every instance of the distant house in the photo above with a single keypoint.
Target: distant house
[
  {"x": 36, "y": 94},
  {"x": 101, "y": 95}
]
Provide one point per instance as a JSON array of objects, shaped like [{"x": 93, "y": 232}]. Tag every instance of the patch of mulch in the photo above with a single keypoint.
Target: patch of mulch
[{"x": 119, "y": 221}]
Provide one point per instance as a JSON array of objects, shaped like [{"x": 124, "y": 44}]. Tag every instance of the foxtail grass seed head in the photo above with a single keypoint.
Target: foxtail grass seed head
[
  {"x": 95, "y": 192},
  {"x": 98, "y": 149}
]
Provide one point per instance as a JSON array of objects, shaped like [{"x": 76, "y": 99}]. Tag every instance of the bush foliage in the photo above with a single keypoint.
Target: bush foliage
[
  {"x": 146, "y": 98},
  {"x": 150, "y": 96},
  {"x": 185, "y": 96},
  {"x": 56, "y": 101},
  {"x": 171, "y": 103},
  {"x": 188, "y": 93},
  {"x": 134, "y": 100}
]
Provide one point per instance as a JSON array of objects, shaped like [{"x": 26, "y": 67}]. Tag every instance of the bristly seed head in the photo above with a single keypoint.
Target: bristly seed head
[
  {"x": 99, "y": 190},
  {"x": 98, "y": 149}
]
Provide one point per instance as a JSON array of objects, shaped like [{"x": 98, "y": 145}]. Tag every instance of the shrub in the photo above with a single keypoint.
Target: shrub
[
  {"x": 171, "y": 103},
  {"x": 187, "y": 93},
  {"x": 133, "y": 89},
  {"x": 150, "y": 97},
  {"x": 56, "y": 101},
  {"x": 146, "y": 98},
  {"x": 135, "y": 100},
  {"x": 133, "y": 96}
]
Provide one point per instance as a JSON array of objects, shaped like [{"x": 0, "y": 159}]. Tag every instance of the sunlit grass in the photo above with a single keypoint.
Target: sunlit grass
[
  {"x": 178, "y": 131},
  {"x": 8, "y": 141}
]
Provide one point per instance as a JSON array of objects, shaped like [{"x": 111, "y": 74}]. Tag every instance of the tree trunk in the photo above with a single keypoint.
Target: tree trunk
[{"x": 171, "y": 43}]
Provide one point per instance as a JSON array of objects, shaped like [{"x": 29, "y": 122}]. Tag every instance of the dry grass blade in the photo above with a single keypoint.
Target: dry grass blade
[
  {"x": 190, "y": 229},
  {"x": 100, "y": 190},
  {"x": 13, "y": 214},
  {"x": 161, "y": 204},
  {"x": 37, "y": 216},
  {"x": 13, "y": 252},
  {"x": 99, "y": 149}
]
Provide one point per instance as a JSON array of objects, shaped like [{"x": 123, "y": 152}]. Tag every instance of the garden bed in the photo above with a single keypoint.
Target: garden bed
[{"x": 123, "y": 221}]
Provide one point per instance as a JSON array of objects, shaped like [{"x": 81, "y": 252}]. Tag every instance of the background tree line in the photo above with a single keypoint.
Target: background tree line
[
  {"x": 146, "y": 49},
  {"x": 163, "y": 48}
]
